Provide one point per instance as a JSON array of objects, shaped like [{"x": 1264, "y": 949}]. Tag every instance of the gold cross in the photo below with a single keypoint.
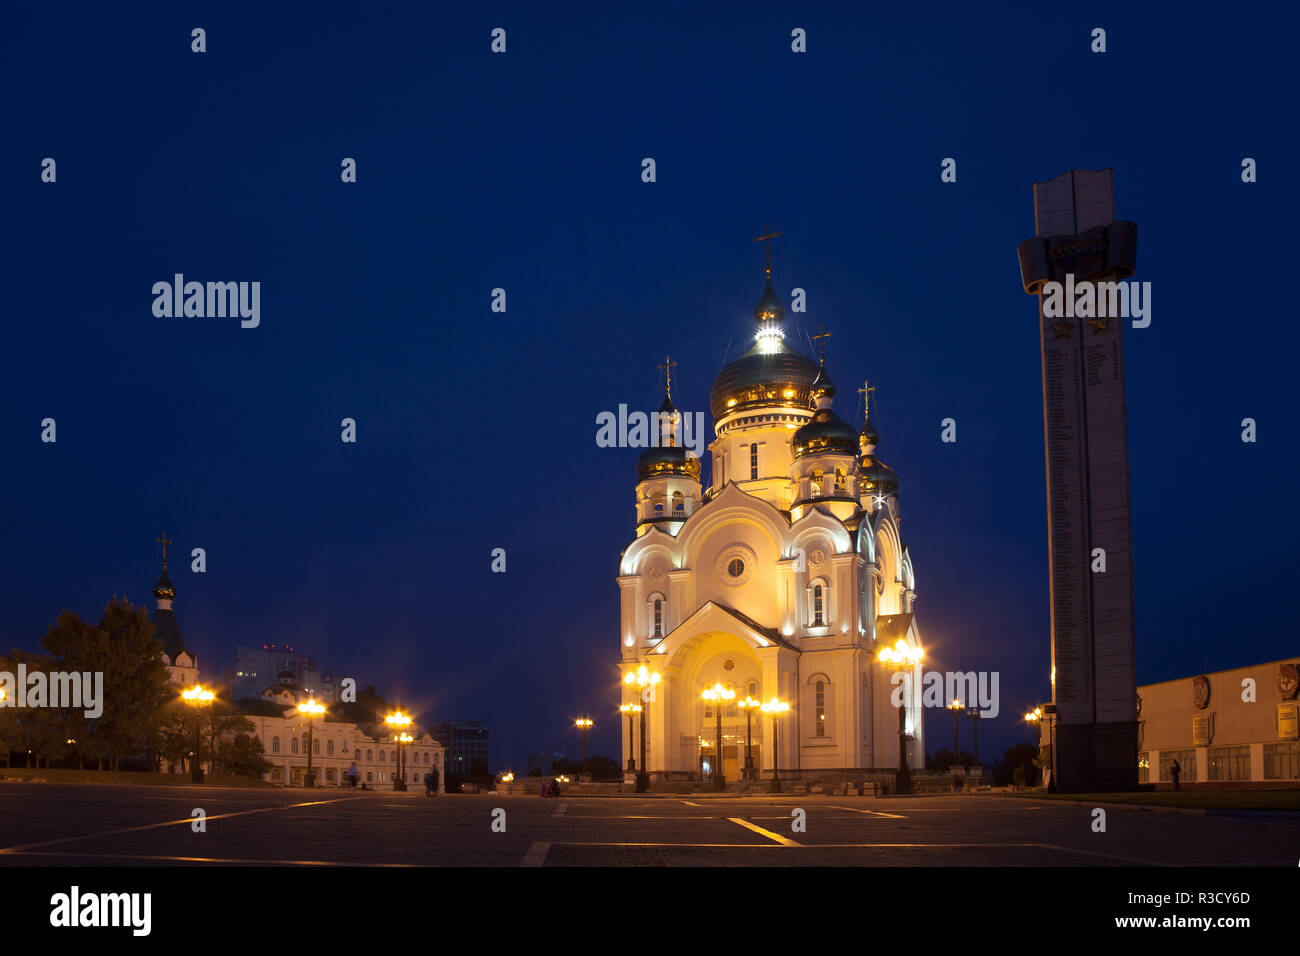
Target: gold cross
[
  {"x": 865, "y": 391},
  {"x": 766, "y": 238},
  {"x": 164, "y": 541},
  {"x": 820, "y": 338},
  {"x": 667, "y": 367}
]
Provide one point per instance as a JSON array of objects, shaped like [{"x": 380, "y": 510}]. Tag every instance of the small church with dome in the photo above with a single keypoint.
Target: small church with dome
[{"x": 780, "y": 579}]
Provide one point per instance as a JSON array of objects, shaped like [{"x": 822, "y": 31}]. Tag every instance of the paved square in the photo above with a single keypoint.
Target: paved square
[{"x": 54, "y": 824}]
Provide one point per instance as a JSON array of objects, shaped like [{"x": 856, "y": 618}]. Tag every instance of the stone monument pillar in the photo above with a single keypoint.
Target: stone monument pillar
[{"x": 1078, "y": 241}]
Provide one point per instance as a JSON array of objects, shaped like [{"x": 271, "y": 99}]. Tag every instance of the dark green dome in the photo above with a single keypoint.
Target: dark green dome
[
  {"x": 877, "y": 477},
  {"x": 666, "y": 460},
  {"x": 826, "y": 434},
  {"x": 163, "y": 589},
  {"x": 869, "y": 435},
  {"x": 781, "y": 377},
  {"x": 822, "y": 385}
]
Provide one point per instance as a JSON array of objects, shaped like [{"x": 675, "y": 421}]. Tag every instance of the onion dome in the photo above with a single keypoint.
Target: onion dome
[
  {"x": 826, "y": 434},
  {"x": 771, "y": 374},
  {"x": 868, "y": 438},
  {"x": 822, "y": 386},
  {"x": 163, "y": 590},
  {"x": 669, "y": 457},
  {"x": 877, "y": 478}
]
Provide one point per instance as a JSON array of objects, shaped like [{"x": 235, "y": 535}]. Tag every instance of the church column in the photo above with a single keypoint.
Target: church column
[
  {"x": 679, "y": 598},
  {"x": 787, "y": 603}
]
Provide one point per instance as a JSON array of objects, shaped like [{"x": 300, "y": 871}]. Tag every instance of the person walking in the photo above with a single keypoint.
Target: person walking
[
  {"x": 1175, "y": 772},
  {"x": 353, "y": 775},
  {"x": 428, "y": 785}
]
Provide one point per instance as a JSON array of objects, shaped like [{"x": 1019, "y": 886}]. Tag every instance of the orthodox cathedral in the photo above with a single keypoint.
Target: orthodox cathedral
[{"x": 781, "y": 580}]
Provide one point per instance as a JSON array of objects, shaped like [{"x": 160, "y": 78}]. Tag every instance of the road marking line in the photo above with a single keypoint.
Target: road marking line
[
  {"x": 784, "y": 841},
  {"x": 536, "y": 855},
  {"x": 1104, "y": 856},
  {"x": 874, "y": 813},
  {"x": 689, "y": 804},
  {"x": 169, "y": 823},
  {"x": 560, "y": 810}
]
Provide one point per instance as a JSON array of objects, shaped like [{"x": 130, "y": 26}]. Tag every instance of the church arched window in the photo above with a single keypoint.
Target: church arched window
[
  {"x": 315, "y": 747},
  {"x": 753, "y": 461},
  {"x": 329, "y": 749},
  {"x": 679, "y": 503},
  {"x": 370, "y": 755},
  {"x": 275, "y": 745},
  {"x": 840, "y": 484},
  {"x": 819, "y": 605},
  {"x": 821, "y": 709},
  {"x": 659, "y": 618},
  {"x": 293, "y": 745},
  {"x": 752, "y": 689},
  {"x": 356, "y": 755},
  {"x": 815, "y": 483}
]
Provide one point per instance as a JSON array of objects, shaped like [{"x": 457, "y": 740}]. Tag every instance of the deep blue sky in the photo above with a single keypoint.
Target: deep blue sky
[{"x": 477, "y": 430}]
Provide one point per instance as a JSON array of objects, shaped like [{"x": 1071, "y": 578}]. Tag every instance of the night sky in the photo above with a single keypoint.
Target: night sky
[{"x": 476, "y": 430}]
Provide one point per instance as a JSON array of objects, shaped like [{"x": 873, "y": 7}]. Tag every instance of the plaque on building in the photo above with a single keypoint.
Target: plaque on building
[
  {"x": 1200, "y": 692},
  {"x": 1202, "y": 730},
  {"x": 1288, "y": 721},
  {"x": 1288, "y": 681}
]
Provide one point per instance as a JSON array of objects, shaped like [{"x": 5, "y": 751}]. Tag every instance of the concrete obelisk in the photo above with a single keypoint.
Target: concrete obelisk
[{"x": 1094, "y": 666}]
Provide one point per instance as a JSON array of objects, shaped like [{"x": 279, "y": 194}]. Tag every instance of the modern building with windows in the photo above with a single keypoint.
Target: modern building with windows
[
  {"x": 1233, "y": 728},
  {"x": 257, "y": 668},
  {"x": 467, "y": 746}
]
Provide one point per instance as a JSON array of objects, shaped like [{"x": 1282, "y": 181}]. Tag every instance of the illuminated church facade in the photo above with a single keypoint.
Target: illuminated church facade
[{"x": 780, "y": 579}]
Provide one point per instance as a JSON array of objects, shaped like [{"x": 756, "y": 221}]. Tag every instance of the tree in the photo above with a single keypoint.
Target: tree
[
  {"x": 242, "y": 755},
  {"x": 604, "y": 768},
  {"x": 1020, "y": 757},
  {"x": 123, "y": 648}
]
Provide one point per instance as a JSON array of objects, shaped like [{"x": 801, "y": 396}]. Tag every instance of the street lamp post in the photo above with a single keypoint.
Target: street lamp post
[
  {"x": 748, "y": 705},
  {"x": 718, "y": 695},
  {"x": 644, "y": 681},
  {"x": 398, "y": 722},
  {"x": 197, "y": 697},
  {"x": 776, "y": 709},
  {"x": 900, "y": 657},
  {"x": 585, "y": 723},
  {"x": 1036, "y": 717},
  {"x": 630, "y": 709},
  {"x": 974, "y": 714},
  {"x": 310, "y": 709},
  {"x": 956, "y": 708}
]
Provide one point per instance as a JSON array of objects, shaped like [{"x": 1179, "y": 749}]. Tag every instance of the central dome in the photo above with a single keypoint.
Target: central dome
[
  {"x": 758, "y": 379},
  {"x": 769, "y": 374}
]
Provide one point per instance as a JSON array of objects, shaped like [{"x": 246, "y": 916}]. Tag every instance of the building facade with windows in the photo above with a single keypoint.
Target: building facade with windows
[
  {"x": 257, "y": 668},
  {"x": 783, "y": 578},
  {"x": 335, "y": 745},
  {"x": 467, "y": 745},
  {"x": 1233, "y": 728}
]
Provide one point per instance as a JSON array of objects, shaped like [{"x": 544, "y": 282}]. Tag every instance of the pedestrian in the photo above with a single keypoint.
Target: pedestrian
[
  {"x": 353, "y": 775},
  {"x": 1175, "y": 772},
  {"x": 428, "y": 785},
  {"x": 544, "y": 793}
]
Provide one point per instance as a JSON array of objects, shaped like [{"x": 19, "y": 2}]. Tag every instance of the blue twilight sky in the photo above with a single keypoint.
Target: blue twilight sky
[{"x": 522, "y": 171}]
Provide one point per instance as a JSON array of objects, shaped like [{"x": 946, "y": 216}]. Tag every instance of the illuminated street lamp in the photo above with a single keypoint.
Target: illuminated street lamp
[
  {"x": 630, "y": 709},
  {"x": 956, "y": 707},
  {"x": 900, "y": 658},
  {"x": 196, "y": 697},
  {"x": 974, "y": 714},
  {"x": 717, "y": 695},
  {"x": 310, "y": 709},
  {"x": 398, "y": 721},
  {"x": 748, "y": 705},
  {"x": 776, "y": 709},
  {"x": 1036, "y": 717},
  {"x": 644, "y": 681},
  {"x": 507, "y": 778},
  {"x": 585, "y": 723}
]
